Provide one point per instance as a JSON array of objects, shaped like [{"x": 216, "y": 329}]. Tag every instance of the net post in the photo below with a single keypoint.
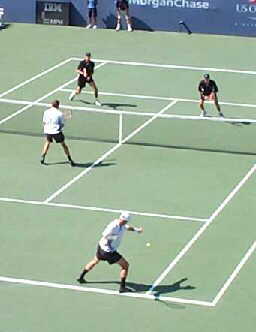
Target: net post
[{"x": 120, "y": 136}]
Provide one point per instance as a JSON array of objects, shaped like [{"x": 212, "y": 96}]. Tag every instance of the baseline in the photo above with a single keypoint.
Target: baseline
[{"x": 103, "y": 291}]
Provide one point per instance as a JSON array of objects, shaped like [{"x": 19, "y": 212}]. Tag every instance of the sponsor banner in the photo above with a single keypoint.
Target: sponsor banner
[
  {"x": 54, "y": 13},
  {"x": 231, "y": 17}
]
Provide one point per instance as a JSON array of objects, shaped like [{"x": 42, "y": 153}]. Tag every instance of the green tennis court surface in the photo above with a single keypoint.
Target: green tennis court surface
[{"x": 189, "y": 182}]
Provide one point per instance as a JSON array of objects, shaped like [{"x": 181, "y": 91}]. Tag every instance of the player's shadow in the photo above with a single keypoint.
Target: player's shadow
[
  {"x": 56, "y": 163},
  {"x": 90, "y": 164},
  {"x": 85, "y": 102},
  {"x": 159, "y": 290},
  {"x": 110, "y": 105},
  {"x": 5, "y": 26},
  {"x": 105, "y": 163},
  {"x": 116, "y": 105}
]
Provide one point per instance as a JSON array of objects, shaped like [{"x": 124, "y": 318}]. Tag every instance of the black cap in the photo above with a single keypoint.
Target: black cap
[
  {"x": 88, "y": 54},
  {"x": 206, "y": 76},
  {"x": 56, "y": 103}
]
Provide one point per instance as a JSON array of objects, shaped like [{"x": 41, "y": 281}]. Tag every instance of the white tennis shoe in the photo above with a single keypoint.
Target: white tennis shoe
[{"x": 97, "y": 103}]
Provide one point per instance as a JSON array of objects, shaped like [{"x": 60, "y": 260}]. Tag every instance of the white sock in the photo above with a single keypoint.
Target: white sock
[{"x": 72, "y": 95}]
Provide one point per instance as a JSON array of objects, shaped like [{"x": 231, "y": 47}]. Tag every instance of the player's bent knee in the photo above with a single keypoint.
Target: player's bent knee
[{"x": 123, "y": 263}]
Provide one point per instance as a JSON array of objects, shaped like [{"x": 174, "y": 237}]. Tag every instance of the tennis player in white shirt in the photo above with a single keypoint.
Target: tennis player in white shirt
[
  {"x": 53, "y": 122},
  {"x": 107, "y": 249}
]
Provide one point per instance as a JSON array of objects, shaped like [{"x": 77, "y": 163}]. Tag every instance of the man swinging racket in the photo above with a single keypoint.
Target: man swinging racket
[{"x": 107, "y": 249}]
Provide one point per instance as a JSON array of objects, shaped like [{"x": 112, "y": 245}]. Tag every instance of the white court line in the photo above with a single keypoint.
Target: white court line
[
  {"x": 106, "y": 154},
  {"x": 163, "y": 98},
  {"x": 103, "y": 291},
  {"x": 41, "y": 98},
  {"x": 210, "y": 69},
  {"x": 132, "y": 113},
  {"x": 93, "y": 208},
  {"x": 35, "y": 77},
  {"x": 201, "y": 230},
  {"x": 234, "y": 274},
  {"x": 31, "y": 104},
  {"x": 232, "y": 194}
]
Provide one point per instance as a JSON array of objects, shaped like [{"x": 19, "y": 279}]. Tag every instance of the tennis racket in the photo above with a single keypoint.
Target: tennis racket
[{"x": 67, "y": 114}]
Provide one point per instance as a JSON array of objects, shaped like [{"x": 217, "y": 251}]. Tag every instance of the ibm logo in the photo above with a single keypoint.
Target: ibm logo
[{"x": 53, "y": 7}]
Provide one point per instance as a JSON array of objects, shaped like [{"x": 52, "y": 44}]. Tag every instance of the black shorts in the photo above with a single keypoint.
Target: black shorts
[
  {"x": 92, "y": 12},
  {"x": 59, "y": 138},
  {"x": 207, "y": 94},
  {"x": 82, "y": 81},
  {"x": 110, "y": 257}
]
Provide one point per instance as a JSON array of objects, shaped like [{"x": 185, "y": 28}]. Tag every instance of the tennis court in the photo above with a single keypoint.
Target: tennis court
[{"x": 188, "y": 181}]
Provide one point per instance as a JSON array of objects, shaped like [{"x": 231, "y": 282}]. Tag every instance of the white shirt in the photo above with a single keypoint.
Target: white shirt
[
  {"x": 112, "y": 236},
  {"x": 53, "y": 121}
]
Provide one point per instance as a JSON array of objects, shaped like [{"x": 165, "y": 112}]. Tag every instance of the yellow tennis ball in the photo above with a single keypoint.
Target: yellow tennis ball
[{"x": 148, "y": 244}]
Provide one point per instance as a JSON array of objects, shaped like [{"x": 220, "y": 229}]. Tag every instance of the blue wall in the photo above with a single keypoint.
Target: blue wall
[{"x": 235, "y": 17}]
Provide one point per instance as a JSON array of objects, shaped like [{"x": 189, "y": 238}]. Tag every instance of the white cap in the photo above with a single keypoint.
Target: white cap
[{"x": 125, "y": 215}]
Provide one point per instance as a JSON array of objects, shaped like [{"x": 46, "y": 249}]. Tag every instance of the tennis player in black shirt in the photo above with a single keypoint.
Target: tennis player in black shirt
[
  {"x": 85, "y": 70},
  {"x": 208, "y": 91}
]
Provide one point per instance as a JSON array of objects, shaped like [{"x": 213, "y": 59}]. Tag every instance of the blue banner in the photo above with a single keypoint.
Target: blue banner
[{"x": 228, "y": 17}]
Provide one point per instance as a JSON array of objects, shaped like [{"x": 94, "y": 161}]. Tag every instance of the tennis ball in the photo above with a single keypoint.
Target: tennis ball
[{"x": 148, "y": 244}]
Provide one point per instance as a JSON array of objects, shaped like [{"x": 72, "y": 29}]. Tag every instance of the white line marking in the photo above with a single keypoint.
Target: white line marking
[
  {"x": 86, "y": 171},
  {"x": 34, "y": 103},
  {"x": 93, "y": 208},
  {"x": 201, "y": 230},
  {"x": 234, "y": 274},
  {"x": 41, "y": 98},
  {"x": 35, "y": 77},
  {"x": 163, "y": 98},
  {"x": 145, "y": 114},
  {"x": 102, "y": 291},
  {"x": 106, "y": 154},
  {"x": 232, "y": 194},
  {"x": 124, "y": 95},
  {"x": 131, "y": 63}
]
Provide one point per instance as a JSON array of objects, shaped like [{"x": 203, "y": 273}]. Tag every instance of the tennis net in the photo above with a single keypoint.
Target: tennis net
[{"x": 234, "y": 135}]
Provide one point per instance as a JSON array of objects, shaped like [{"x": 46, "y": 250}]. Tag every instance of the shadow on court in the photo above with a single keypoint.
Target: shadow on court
[
  {"x": 110, "y": 105},
  {"x": 5, "y": 26},
  {"x": 116, "y": 105},
  {"x": 105, "y": 163},
  {"x": 159, "y": 290}
]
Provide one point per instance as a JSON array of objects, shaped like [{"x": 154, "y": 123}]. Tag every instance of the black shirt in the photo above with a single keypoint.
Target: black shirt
[
  {"x": 206, "y": 88},
  {"x": 89, "y": 66}
]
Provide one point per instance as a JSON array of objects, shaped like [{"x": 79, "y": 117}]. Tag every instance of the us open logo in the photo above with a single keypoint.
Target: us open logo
[
  {"x": 248, "y": 14},
  {"x": 249, "y": 7}
]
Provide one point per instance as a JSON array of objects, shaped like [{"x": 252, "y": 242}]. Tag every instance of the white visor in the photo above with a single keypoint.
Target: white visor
[{"x": 125, "y": 215}]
